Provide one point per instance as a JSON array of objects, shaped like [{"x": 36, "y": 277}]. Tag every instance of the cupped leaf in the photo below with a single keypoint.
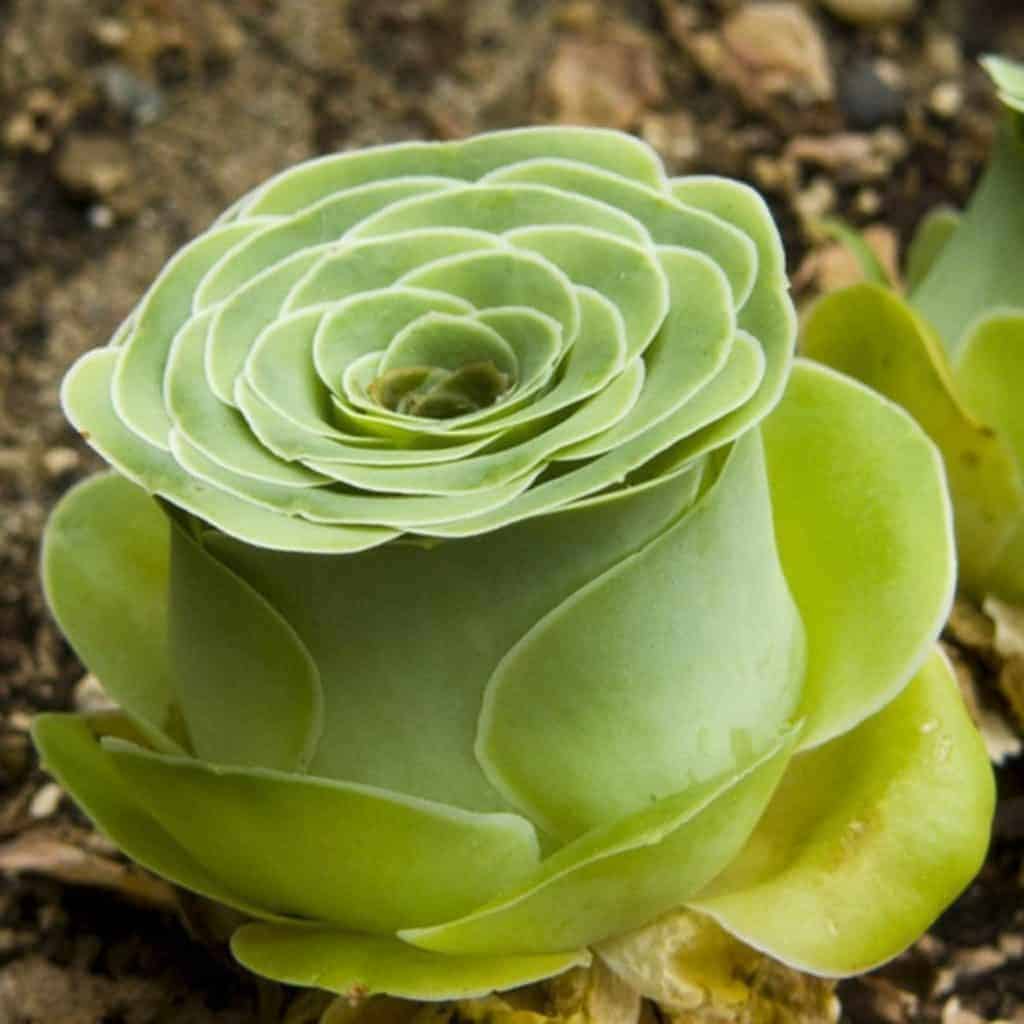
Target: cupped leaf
[
  {"x": 470, "y": 159},
  {"x": 867, "y": 839},
  {"x": 138, "y": 382},
  {"x": 107, "y": 587},
  {"x": 406, "y": 637},
  {"x": 70, "y": 749},
  {"x": 361, "y": 965},
  {"x": 1008, "y": 76},
  {"x": 989, "y": 375},
  {"x": 249, "y": 690},
  {"x": 358, "y": 857},
  {"x": 622, "y": 875},
  {"x": 689, "y": 350},
  {"x": 978, "y": 269},
  {"x": 930, "y": 238},
  {"x": 85, "y": 396},
  {"x": 864, "y": 529},
  {"x": 873, "y": 335},
  {"x": 668, "y": 220},
  {"x": 326, "y": 221},
  {"x": 217, "y": 429},
  {"x": 500, "y": 208},
  {"x": 608, "y": 702}
]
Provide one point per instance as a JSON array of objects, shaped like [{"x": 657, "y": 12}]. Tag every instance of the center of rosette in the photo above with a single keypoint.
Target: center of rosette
[
  {"x": 440, "y": 394},
  {"x": 441, "y": 366}
]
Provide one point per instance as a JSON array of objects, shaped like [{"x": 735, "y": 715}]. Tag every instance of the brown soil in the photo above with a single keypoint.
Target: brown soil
[{"x": 127, "y": 125}]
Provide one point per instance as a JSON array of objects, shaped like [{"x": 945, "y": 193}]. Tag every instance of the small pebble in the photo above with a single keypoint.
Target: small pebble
[
  {"x": 46, "y": 801},
  {"x": 946, "y": 99},
  {"x": 101, "y": 217},
  {"x": 866, "y": 98},
  {"x": 57, "y": 461},
  {"x": 134, "y": 96}
]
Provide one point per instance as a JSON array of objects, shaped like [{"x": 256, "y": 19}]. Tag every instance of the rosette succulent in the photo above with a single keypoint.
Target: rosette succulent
[
  {"x": 952, "y": 351},
  {"x": 466, "y": 608}
]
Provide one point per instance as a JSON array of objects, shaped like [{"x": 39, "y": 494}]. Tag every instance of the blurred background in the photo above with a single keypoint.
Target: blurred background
[{"x": 127, "y": 125}]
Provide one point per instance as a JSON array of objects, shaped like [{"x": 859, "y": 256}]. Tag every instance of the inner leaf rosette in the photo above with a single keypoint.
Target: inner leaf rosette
[{"x": 443, "y": 339}]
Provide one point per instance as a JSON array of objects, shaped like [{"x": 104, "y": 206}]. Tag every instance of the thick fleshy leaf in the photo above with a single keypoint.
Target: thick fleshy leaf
[
  {"x": 930, "y": 238},
  {"x": 1008, "y": 76},
  {"x": 873, "y": 335},
  {"x": 70, "y": 750},
  {"x": 867, "y": 839},
  {"x": 669, "y": 221},
  {"x": 249, "y": 690},
  {"x": 360, "y": 965},
  {"x": 471, "y": 159},
  {"x": 605, "y": 705},
  {"x": 85, "y": 396},
  {"x": 138, "y": 382},
  {"x": 620, "y": 876},
  {"x": 358, "y": 857},
  {"x": 865, "y": 536},
  {"x": 978, "y": 269},
  {"x": 406, "y": 644},
  {"x": 107, "y": 589},
  {"x": 990, "y": 375}
]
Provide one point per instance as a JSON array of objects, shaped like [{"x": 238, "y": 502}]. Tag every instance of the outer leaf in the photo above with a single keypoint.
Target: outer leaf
[
  {"x": 934, "y": 231},
  {"x": 611, "y": 701},
  {"x": 357, "y": 857},
  {"x": 873, "y": 335},
  {"x": 1009, "y": 78},
  {"x": 867, "y": 839},
  {"x": 622, "y": 875},
  {"x": 105, "y": 571},
  {"x": 249, "y": 690},
  {"x": 990, "y": 374},
  {"x": 865, "y": 536},
  {"x": 360, "y": 965},
  {"x": 406, "y": 638},
  {"x": 71, "y": 752},
  {"x": 979, "y": 267}
]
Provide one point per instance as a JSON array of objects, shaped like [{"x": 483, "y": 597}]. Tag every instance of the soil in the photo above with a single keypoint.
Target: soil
[{"x": 127, "y": 125}]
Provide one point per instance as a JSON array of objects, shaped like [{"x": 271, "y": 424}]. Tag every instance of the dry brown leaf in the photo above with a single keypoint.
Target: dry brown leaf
[{"x": 78, "y": 858}]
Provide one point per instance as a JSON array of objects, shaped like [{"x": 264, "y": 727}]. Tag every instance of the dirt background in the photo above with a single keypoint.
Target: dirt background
[{"x": 127, "y": 125}]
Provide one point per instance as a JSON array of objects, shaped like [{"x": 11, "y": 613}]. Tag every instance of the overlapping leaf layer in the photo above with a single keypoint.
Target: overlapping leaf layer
[
  {"x": 468, "y": 592},
  {"x": 442, "y": 340},
  {"x": 952, "y": 352}
]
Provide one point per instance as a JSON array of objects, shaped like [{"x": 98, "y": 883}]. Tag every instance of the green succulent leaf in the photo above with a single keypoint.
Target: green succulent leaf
[
  {"x": 358, "y": 857},
  {"x": 107, "y": 589},
  {"x": 951, "y": 357},
  {"x": 989, "y": 375},
  {"x": 867, "y": 839},
  {"x": 874, "y": 336},
  {"x": 863, "y": 525},
  {"x": 935, "y": 230},
  {"x": 69, "y": 746},
  {"x": 620, "y": 875},
  {"x": 470, "y": 576},
  {"x": 1008, "y": 76},
  {"x": 361, "y": 965},
  {"x": 568, "y": 754},
  {"x": 424, "y": 629},
  {"x": 249, "y": 689},
  {"x": 977, "y": 269}
]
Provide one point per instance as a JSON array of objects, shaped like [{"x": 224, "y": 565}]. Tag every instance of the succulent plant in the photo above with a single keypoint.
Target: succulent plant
[
  {"x": 473, "y": 596},
  {"x": 952, "y": 350}
]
